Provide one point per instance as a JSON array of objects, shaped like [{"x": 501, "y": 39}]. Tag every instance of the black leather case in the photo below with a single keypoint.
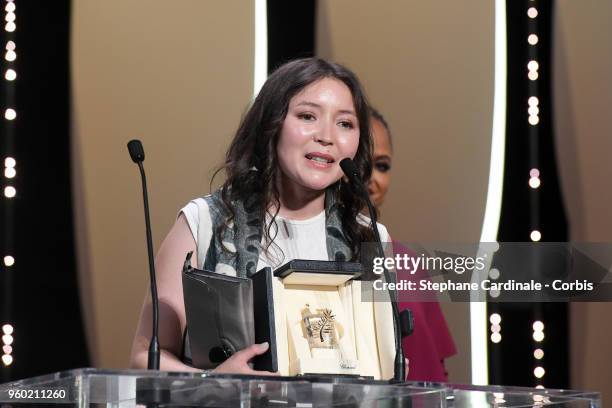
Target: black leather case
[{"x": 219, "y": 310}]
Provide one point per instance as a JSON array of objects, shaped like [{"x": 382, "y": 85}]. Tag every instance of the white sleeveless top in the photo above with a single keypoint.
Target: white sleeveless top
[{"x": 293, "y": 239}]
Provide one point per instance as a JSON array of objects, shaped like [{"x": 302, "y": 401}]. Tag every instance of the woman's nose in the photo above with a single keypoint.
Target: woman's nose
[
  {"x": 323, "y": 139},
  {"x": 372, "y": 185},
  {"x": 325, "y": 135}
]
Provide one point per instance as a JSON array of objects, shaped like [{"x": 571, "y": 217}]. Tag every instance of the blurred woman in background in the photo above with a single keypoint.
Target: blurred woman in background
[{"x": 431, "y": 342}]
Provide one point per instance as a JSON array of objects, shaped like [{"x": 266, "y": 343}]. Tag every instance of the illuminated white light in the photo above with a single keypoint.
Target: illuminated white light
[
  {"x": 7, "y": 359},
  {"x": 540, "y": 387},
  {"x": 7, "y": 349},
  {"x": 538, "y": 354},
  {"x": 534, "y": 172},
  {"x": 539, "y": 372},
  {"x": 9, "y": 260},
  {"x": 10, "y": 46},
  {"x": 260, "y": 64},
  {"x": 494, "y": 293},
  {"x": 535, "y": 235},
  {"x": 10, "y": 75},
  {"x": 533, "y": 101},
  {"x": 7, "y": 329},
  {"x": 7, "y": 339},
  {"x": 495, "y": 328},
  {"x": 10, "y": 192},
  {"x": 495, "y": 318},
  {"x": 499, "y": 398},
  {"x": 494, "y": 273},
  {"x": 533, "y": 65},
  {"x": 534, "y": 182},
  {"x": 9, "y": 162},
  {"x": 10, "y": 172},
  {"x": 538, "y": 336},
  {"x": 10, "y": 27},
  {"x": 532, "y": 75},
  {"x": 538, "y": 398},
  {"x": 533, "y": 110},
  {"x": 532, "y": 12},
  {"x": 490, "y": 223},
  {"x": 532, "y": 39},
  {"x": 10, "y": 17},
  {"x": 496, "y": 337},
  {"x": 534, "y": 120},
  {"x": 10, "y": 114},
  {"x": 10, "y": 55},
  {"x": 538, "y": 326},
  {"x": 10, "y": 7}
]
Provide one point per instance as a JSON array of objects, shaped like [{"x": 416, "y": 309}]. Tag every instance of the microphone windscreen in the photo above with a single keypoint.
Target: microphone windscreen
[
  {"x": 349, "y": 169},
  {"x": 136, "y": 151}
]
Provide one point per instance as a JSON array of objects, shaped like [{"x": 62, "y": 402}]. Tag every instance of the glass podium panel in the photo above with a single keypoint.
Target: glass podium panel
[
  {"x": 466, "y": 395},
  {"x": 143, "y": 388}
]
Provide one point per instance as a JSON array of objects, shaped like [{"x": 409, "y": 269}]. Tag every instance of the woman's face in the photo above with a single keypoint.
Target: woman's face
[
  {"x": 320, "y": 129},
  {"x": 381, "y": 166}
]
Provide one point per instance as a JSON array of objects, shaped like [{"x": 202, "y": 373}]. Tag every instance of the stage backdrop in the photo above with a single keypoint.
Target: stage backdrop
[
  {"x": 428, "y": 67},
  {"x": 582, "y": 97},
  {"x": 178, "y": 76}
]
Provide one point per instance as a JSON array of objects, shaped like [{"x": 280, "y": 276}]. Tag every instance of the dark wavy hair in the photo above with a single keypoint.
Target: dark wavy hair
[
  {"x": 251, "y": 162},
  {"x": 375, "y": 114}
]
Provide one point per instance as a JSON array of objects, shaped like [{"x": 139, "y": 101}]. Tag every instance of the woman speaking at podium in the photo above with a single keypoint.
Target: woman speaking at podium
[{"x": 284, "y": 197}]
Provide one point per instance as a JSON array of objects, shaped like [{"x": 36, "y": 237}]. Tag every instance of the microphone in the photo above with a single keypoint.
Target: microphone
[
  {"x": 136, "y": 151},
  {"x": 137, "y": 154},
  {"x": 350, "y": 170},
  {"x": 352, "y": 173}
]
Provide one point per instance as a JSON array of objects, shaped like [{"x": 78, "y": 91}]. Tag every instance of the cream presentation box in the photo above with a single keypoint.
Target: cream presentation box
[{"x": 313, "y": 316}]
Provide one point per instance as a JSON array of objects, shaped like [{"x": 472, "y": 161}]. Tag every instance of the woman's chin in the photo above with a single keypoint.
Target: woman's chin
[
  {"x": 316, "y": 187},
  {"x": 375, "y": 199},
  {"x": 319, "y": 185}
]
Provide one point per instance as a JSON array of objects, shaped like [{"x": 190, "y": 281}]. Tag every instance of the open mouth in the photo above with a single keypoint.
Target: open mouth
[{"x": 324, "y": 159}]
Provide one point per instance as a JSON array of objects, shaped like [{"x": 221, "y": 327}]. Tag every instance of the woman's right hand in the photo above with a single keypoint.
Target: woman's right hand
[{"x": 238, "y": 363}]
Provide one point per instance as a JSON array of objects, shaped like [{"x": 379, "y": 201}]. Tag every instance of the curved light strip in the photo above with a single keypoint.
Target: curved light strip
[
  {"x": 490, "y": 225},
  {"x": 261, "y": 46}
]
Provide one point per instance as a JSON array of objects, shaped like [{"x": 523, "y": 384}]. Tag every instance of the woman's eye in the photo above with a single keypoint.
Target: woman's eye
[
  {"x": 306, "y": 116},
  {"x": 346, "y": 124},
  {"x": 383, "y": 167}
]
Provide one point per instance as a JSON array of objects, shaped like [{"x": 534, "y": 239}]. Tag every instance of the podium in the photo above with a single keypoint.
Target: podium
[{"x": 142, "y": 388}]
